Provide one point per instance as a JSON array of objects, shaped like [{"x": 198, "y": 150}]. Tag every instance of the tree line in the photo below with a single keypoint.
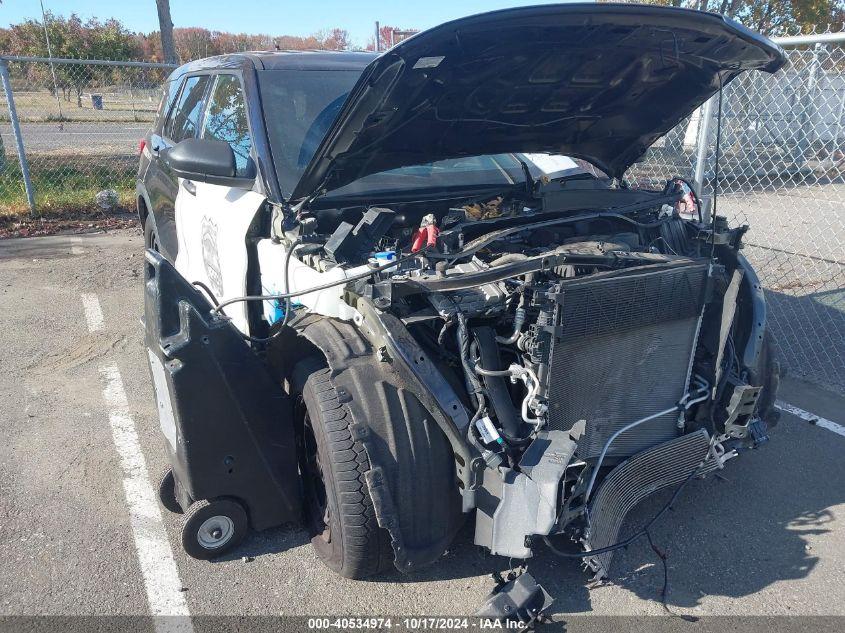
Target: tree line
[
  {"x": 75, "y": 38},
  {"x": 110, "y": 39}
]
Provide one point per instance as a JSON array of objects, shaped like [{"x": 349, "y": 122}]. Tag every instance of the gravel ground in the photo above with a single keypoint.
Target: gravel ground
[{"x": 764, "y": 538}]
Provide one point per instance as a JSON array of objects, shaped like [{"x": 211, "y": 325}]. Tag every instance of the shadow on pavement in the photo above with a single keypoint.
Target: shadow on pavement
[{"x": 271, "y": 541}]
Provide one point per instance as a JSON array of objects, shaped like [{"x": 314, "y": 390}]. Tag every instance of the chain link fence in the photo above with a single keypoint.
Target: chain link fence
[
  {"x": 782, "y": 172},
  {"x": 80, "y": 122}
]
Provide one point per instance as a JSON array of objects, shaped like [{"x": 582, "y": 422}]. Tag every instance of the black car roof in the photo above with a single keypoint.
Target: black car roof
[{"x": 281, "y": 60}]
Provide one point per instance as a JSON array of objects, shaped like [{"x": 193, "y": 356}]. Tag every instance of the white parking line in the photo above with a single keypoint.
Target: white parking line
[
  {"x": 155, "y": 558},
  {"x": 93, "y": 313},
  {"x": 830, "y": 425}
]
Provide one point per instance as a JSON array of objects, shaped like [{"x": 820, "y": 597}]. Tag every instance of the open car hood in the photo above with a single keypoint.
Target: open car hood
[{"x": 598, "y": 81}]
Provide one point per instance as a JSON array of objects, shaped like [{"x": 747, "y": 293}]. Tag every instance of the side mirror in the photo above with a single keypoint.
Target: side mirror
[{"x": 206, "y": 160}]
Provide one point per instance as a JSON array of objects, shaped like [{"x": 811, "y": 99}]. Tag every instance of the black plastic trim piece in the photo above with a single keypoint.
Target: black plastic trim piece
[
  {"x": 751, "y": 281},
  {"x": 230, "y": 424}
]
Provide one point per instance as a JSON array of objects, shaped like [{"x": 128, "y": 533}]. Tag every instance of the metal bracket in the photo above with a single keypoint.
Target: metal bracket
[{"x": 742, "y": 404}]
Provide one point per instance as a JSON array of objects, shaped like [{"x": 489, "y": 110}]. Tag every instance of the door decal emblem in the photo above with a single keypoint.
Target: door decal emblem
[{"x": 210, "y": 256}]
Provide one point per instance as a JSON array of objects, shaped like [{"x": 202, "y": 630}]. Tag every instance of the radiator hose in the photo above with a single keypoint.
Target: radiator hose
[
  {"x": 495, "y": 383},
  {"x": 519, "y": 315},
  {"x": 474, "y": 386}
]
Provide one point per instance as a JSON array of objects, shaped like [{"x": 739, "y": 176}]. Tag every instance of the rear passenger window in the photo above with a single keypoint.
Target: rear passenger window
[
  {"x": 186, "y": 116},
  {"x": 225, "y": 120}
]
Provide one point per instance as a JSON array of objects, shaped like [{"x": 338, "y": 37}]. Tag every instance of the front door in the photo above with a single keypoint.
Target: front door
[{"x": 213, "y": 220}]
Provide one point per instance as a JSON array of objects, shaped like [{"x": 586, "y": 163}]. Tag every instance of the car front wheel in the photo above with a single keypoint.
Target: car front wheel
[{"x": 339, "y": 511}]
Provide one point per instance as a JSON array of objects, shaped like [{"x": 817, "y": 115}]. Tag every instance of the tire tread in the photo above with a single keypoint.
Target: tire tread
[{"x": 365, "y": 547}]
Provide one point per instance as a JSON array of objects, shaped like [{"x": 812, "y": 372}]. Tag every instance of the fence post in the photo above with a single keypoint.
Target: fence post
[
  {"x": 809, "y": 112},
  {"x": 16, "y": 130},
  {"x": 702, "y": 150}
]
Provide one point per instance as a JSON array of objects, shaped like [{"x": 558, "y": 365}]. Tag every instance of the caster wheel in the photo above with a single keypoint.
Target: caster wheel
[
  {"x": 212, "y": 528},
  {"x": 167, "y": 492}
]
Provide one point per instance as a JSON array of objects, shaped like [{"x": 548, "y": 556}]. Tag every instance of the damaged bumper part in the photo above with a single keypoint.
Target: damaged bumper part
[
  {"x": 519, "y": 599},
  {"x": 528, "y": 500},
  {"x": 638, "y": 477}
]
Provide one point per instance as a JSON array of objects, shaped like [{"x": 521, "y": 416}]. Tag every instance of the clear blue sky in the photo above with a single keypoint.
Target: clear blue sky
[{"x": 284, "y": 17}]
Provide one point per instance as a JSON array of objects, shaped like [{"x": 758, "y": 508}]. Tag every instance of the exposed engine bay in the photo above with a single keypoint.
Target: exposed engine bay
[{"x": 585, "y": 329}]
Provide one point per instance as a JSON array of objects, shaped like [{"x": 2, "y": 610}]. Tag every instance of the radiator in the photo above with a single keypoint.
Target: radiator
[{"x": 620, "y": 351}]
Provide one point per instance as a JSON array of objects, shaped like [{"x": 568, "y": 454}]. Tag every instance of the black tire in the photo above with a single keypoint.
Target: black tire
[
  {"x": 212, "y": 528},
  {"x": 150, "y": 241},
  {"x": 339, "y": 511},
  {"x": 167, "y": 492},
  {"x": 151, "y": 236}
]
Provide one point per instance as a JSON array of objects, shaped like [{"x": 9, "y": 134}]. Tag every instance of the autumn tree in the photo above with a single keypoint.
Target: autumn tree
[
  {"x": 334, "y": 40},
  {"x": 72, "y": 38},
  {"x": 194, "y": 43},
  {"x": 771, "y": 17}
]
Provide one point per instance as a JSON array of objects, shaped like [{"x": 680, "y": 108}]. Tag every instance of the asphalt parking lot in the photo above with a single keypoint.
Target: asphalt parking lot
[{"x": 80, "y": 442}]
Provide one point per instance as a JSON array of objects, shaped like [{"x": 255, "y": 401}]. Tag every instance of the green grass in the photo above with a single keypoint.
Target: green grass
[{"x": 65, "y": 185}]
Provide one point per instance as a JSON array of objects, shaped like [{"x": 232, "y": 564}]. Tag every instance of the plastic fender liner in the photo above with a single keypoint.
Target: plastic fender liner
[
  {"x": 412, "y": 469},
  {"x": 228, "y": 424},
  {"x": 415, "y": 368}
]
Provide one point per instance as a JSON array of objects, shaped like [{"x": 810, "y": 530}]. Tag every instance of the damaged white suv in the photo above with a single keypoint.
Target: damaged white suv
[{"x": 392, "y": 294}]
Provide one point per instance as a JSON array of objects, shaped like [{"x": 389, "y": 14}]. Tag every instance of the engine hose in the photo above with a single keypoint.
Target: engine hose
[
  {"x": 474, "y": 386},
  {"x": 494, "y": 382},
  {"x": 296, "y": 243},
  {"x": 508, "y": 258},
  {"x": 518, "y": 322},
  {"x": 479, "y": 412},
  {"x": 207, "y": 291},
  {"x": 441, "y": 337},
  {"x": 494, "y": 373},
  {"x": 674, "y": 236},
  {"x": 332, "y": 284}
]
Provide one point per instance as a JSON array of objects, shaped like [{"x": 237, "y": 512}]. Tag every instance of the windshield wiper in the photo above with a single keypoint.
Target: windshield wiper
[{"x": 581, "y": 175}]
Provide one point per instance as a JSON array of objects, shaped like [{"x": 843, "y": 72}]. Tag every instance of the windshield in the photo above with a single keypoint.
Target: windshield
[
  {"x": 299, "y": 107},
  {"x": 489, "y": 170}
]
